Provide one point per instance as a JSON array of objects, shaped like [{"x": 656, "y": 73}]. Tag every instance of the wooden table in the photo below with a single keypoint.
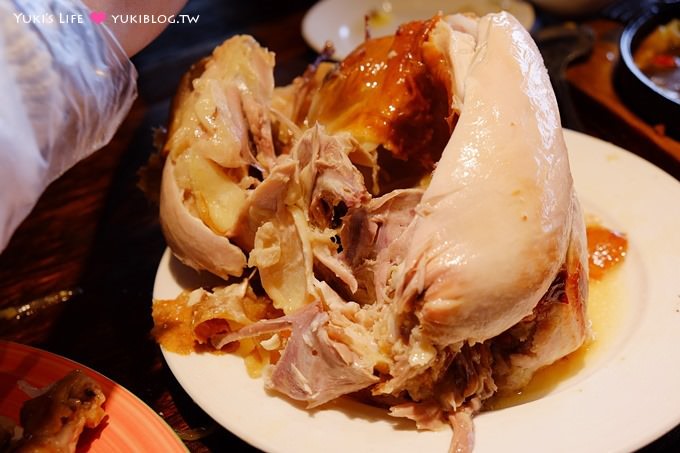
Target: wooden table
[{"x": 93, "y": 229}]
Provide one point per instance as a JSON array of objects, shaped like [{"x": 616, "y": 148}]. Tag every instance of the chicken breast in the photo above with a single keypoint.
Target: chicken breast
[
  {"x": 505, "y": 175},
  {"x": 494, "y": 225}
]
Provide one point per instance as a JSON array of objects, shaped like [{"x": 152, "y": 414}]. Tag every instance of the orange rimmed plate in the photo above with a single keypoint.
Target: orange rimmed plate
[{"x": 130, "y": 425}]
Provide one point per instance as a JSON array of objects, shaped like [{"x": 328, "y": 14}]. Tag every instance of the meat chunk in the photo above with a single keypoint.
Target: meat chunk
[{"x": 53, "y": 421}]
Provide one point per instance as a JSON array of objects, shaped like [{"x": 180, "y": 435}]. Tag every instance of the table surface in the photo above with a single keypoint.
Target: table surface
[{"x": 95, "y": 232}]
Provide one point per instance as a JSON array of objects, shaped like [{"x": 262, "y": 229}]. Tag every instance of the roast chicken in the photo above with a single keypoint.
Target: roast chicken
[{"x": 408, "y": 214}]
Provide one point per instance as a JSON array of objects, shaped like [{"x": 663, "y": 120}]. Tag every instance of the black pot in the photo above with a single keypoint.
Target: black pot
[{"x": 641, "y": 94}]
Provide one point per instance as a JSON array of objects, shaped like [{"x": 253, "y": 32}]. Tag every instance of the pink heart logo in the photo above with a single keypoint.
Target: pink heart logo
[{"x": 98, "y": 16}]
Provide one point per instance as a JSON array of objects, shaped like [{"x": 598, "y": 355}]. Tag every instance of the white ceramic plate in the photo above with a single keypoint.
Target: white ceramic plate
[
  {"x": 622, "y": 399},
  {"x": 342, "y": 21}
]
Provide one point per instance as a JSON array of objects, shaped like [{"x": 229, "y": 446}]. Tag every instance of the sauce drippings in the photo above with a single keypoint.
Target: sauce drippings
[
  {"x": 606, "y": 250},
  {"x": 172, "y": 324},
  {"x": 176, "y": 330}
]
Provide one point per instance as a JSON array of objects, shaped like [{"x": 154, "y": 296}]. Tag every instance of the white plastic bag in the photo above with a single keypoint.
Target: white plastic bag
[{"x": 64, "y": 90}]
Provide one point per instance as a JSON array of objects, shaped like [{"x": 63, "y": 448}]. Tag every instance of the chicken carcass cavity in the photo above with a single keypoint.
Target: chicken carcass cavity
[{"x": 409, "y": 211}]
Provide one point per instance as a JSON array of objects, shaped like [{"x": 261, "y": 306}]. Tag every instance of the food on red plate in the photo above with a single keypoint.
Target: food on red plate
[
  {"x": 54, "y": 419},
  {"x": 402, "y": 223}
]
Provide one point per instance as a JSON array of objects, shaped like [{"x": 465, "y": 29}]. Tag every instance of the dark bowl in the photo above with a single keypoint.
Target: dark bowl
[{"x": 642, "y": 95}]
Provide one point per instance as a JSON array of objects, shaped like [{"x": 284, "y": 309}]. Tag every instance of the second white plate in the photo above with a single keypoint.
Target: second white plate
[{"x": 342, "y": 21}]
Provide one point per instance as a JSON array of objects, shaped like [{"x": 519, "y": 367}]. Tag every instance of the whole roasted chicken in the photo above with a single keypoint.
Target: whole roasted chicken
[{"x": 404, "y": 222}]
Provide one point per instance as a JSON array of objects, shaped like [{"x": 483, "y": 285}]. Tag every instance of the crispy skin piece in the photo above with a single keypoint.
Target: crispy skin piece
[
  {"x": 53, "y": 421},
  {"x": 394, "y": 92}
]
